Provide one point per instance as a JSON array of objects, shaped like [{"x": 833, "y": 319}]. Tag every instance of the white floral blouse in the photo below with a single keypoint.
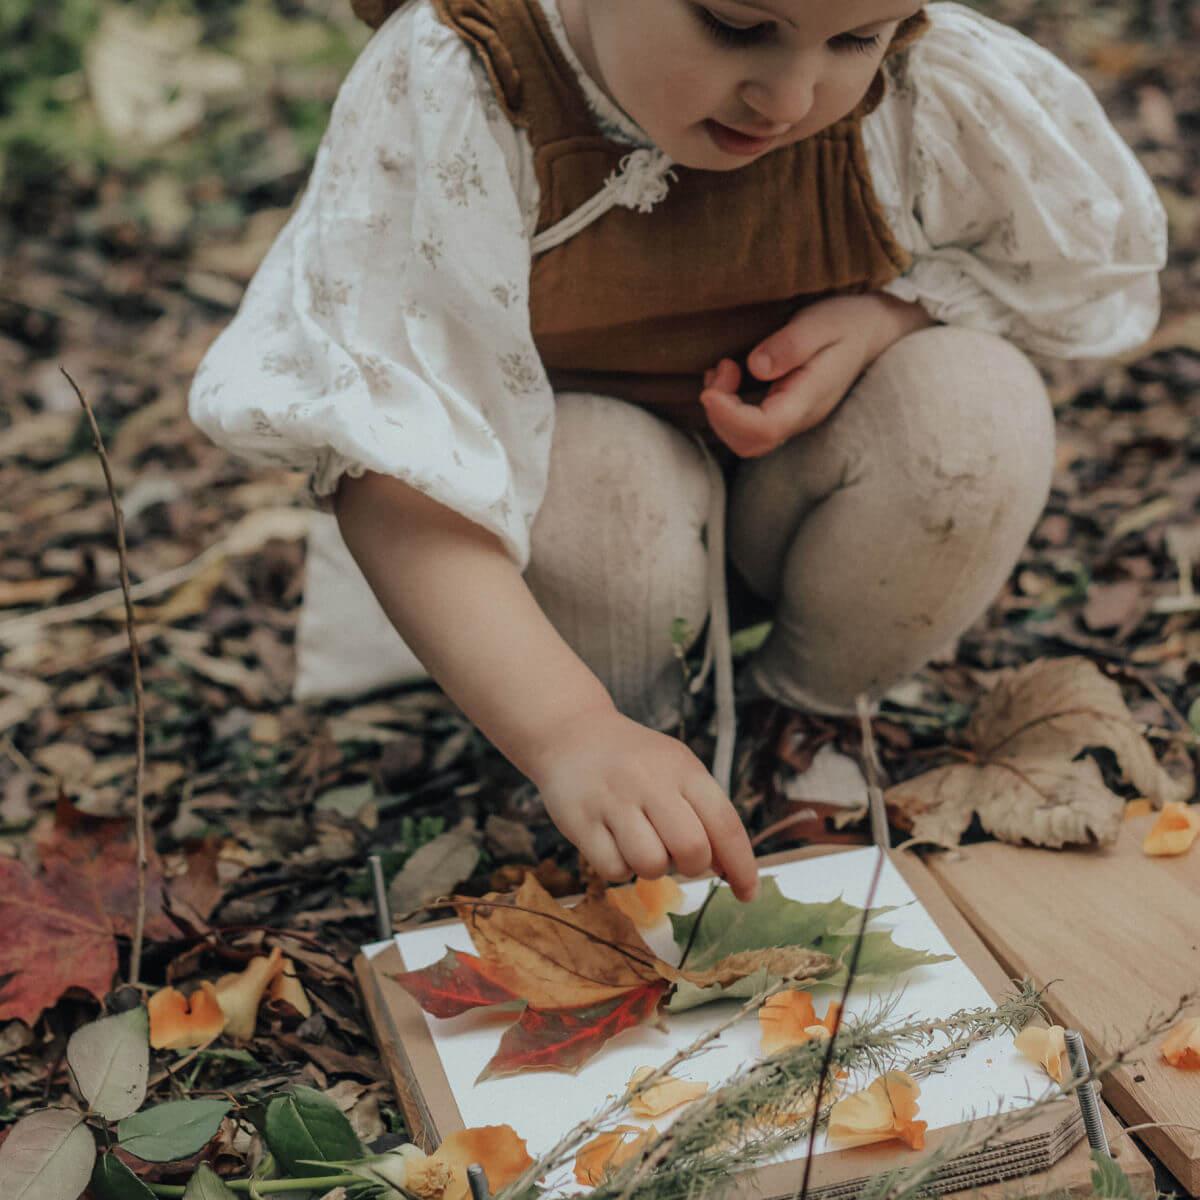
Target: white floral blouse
[{"x": 387, "y": 329}]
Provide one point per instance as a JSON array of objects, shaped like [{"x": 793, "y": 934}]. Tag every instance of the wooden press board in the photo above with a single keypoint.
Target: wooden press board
[
  {"x": 1119, "y": 932},
  {"x": 434, "y": 1062}
]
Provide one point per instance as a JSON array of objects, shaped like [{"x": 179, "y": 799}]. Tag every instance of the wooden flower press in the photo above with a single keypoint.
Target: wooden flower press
[{"x": 1119, "y": 933}]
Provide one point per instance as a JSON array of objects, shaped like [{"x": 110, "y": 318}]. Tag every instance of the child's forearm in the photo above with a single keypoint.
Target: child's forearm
[{"x": 464, "y": 609}]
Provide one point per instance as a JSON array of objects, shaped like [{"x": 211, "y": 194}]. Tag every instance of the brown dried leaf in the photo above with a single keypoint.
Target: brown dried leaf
[{"x": 1024, "y": 783}]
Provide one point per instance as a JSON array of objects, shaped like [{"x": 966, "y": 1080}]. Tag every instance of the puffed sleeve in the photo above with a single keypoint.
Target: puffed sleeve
[
  {"x": 1025, "y": 212},
  {"x": 387, "y": 328}
]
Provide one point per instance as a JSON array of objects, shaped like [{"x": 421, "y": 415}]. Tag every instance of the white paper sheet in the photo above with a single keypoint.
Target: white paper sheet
[{"x": 542, "y": 1105}]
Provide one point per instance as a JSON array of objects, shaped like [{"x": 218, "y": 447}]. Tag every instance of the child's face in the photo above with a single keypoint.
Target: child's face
[{"x": 787, "y": 68}]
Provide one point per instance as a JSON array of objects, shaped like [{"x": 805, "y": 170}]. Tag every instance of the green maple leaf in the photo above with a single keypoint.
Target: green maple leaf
[{"x": 770, "y": 920}]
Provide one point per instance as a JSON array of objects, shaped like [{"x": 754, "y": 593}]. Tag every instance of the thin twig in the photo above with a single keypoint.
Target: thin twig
[
  {"x": 139, "y": 700},
  {"x": 878, "y": 819}
]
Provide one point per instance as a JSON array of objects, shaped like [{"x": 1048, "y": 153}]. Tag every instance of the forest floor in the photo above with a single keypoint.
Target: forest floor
[{"x": 264, "y": 811}]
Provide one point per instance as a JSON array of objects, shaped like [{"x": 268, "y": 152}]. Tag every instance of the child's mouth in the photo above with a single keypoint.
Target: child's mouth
[{"x": 733, "y": 142}]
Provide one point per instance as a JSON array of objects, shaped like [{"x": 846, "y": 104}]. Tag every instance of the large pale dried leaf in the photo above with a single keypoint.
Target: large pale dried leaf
[
  {"x": 437, "y": 868},
  {"x": 1048, "y": 802},
  {"x": 1024, "y": 781},
  {"x": 1059, "y": 707}
]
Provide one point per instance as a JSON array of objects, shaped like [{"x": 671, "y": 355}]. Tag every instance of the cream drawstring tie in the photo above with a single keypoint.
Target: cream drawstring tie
[
  {"x": 640, "y": 184},
  {"x": 718, "y": 646}
]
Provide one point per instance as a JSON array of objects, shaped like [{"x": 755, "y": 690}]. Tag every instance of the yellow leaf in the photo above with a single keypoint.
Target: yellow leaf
[
  {"x": 287, "y": 987},
  {"x": 886, "y": 1110},
  {"x": 609, "y": 1151},
  {"x": 239, "y": 995},
  {"x": 1181, "y": 1047},
  {"x": 647, "y": 901},
  {"x": 1177, "y": 827},
  {"x": 789, "y": 1019},
  {"x": 179, "y": 1022},
  {"x": 663, "y": 1096},
  {"x": 1047, "y": 1047}
]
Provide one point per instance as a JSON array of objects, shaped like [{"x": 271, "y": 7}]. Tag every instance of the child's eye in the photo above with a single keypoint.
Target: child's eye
[
  {"x": 734, "y": 35},
  {"x": 847, "y": 41},
  {"x": 749, "y": 35}
]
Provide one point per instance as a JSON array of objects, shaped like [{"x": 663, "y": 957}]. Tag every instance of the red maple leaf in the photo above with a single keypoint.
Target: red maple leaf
[
  {"x": 54, "y": 935},
  {"x": 564, "y": 1039},
  {"x": 455, "y": 983}
]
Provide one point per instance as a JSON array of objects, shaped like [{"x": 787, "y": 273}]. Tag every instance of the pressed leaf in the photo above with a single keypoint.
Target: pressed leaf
[
  {"x": 1024, "y": 781},
  {"x": 304, "y": 1126},
  {"x": 47, "y": 1156},
  {"x": 110, "y": 1059},
  {"x": 206, "y": 1184},
  {"x": 558, "y": 957},
  {"x": 771, "y": 922},
  {"x": 565, "y": 1039},
  {"x": 113, "y": 1180},
  {"x": 173, "y": 1130},
  {"x": 455, "y": 983}
]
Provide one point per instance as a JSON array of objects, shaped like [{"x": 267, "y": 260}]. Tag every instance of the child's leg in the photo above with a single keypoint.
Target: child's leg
[
  {"x": 887, "y": 531},
  {"x": 617, "y": 548}
]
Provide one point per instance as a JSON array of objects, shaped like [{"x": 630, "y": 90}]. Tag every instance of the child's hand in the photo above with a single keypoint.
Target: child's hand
[
  {"x": 633, "y": 800},
  {"x": 814, "y": 360}
]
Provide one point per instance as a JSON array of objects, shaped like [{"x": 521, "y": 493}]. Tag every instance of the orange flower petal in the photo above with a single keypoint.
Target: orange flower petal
[
  {"x": 287, "y": 987},
  {"x": 663, "y": 1096},
  {"x": 179, "y": 1022},
  {"x": 239, "y": 995},
  {"x": 884, "y": 1111},
  {"x": 1047, "y": 1047},
  {"x": 789, "y": 1019},
  {"x": 496, "y": 1148},
  {"x": 1177, "y": 827},
  {"x": 1181, "y": 1047},
  {"x": 609, "y": 1151},
  {"x": 647, "y": 901}
]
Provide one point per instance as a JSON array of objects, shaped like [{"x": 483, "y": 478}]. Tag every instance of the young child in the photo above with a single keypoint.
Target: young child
[{"x": 566, "y": 268}]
